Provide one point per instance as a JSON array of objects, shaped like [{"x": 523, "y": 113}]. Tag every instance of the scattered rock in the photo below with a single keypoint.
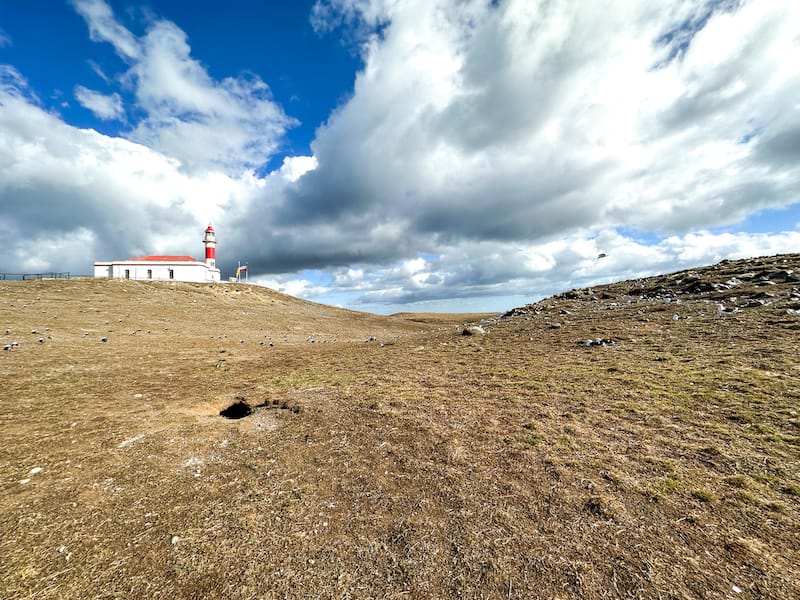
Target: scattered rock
[
  {"x": 104, "y": 339},
  {"x": 473, "y": 330},
  {"x": 555, "y": 325},
  {"x": 371, "y": 338},
  {"x": 753, "y": 303},
  {"x": 599, "y": 342},
  {"x": 785, "y": 276}
]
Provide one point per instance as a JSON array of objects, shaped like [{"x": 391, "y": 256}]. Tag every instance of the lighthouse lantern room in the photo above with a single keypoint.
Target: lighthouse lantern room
[{"x": 168, "y": 268}]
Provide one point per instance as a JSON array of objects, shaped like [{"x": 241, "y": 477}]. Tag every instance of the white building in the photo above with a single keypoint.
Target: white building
[{"x": 165, "y": 268}]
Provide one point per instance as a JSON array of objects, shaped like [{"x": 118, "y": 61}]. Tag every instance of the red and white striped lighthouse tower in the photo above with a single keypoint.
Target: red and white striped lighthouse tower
[{"x": 210, "y": 241}]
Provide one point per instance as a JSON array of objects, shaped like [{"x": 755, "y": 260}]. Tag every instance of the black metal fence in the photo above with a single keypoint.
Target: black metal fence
[{"x": 29, "y": 276}]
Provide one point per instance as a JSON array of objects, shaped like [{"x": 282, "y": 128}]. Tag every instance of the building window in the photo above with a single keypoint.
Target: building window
[
  {"x": 127, "y": 273},
  {"x": 149, "y": 273},
  {"x": 171, "y": 274}
]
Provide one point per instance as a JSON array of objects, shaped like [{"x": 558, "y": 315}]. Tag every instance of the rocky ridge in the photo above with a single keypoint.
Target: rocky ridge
[{"x": 732, "y": 285}]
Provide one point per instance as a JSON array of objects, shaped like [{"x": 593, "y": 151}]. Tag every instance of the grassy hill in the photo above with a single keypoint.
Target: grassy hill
[{"x": 640, "y": 439}]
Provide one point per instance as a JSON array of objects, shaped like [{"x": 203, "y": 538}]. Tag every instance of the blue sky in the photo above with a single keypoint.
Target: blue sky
[{"x": 390, "y": 155}]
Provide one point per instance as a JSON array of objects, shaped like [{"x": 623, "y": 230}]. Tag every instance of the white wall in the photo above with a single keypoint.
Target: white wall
[{"x": 198, "y": 272}]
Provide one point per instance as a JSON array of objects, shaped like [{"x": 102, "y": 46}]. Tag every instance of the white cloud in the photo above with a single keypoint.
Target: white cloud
[
  {"x": 5, "y": 39},
  {"x": 525, "y": 119},
  {"x": 103, "y": 27},
  {"x": 104, "y": 107},
  {"x": 58, "y": 183},
  {"x": 294, "y": 167},
  {"x": 497, "y": 270},
  {"x": 301, "y": 288},
  {"x": 232, "y": 124}
]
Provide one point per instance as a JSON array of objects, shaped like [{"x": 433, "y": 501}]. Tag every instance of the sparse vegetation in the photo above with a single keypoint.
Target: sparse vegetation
[{"x": 521, "y": 463}]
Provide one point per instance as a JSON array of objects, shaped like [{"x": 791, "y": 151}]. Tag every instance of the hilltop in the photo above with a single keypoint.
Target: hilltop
[{"x": 636, "y": 439}]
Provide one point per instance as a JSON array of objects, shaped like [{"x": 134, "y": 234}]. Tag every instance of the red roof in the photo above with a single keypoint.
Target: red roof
[{"x": 164, "y": 259}]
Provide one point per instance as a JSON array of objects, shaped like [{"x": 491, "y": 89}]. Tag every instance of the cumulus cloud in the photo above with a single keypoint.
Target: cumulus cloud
[
  {"x": 70, "y": 196},
  {"x": 233, "y": 124},
  {"x": 105, "y": 107}
]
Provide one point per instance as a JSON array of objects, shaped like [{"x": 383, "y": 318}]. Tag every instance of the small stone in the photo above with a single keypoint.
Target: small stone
[
  {"x": 104, "y": 339},
  {"x": 555, "y": 325},
  {"x": 174, "y": 539},
  {"x": 675, "y": 318},
  {"x": 41, "y": 340},
  {"x": 24, "y": 481},
  {"x": 473, "y": 330},
  {"x": 736, "y": 589},
  {"x": 753, "y": 304},
  {"x": 35, "y": 470}
]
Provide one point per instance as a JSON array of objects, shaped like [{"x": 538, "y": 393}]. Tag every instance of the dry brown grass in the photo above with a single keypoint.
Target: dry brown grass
[{"x": 426, "y": 464}]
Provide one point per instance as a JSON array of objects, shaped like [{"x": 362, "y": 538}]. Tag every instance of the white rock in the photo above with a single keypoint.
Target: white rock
[{"x": 35, "y": 470}]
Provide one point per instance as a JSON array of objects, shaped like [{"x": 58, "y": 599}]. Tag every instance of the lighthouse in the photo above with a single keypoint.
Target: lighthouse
[
  {"x": 165, "y": 268},
  {"x": 210, "y": 241}
]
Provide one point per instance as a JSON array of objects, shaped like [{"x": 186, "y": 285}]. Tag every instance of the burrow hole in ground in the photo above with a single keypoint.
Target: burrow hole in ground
[{"x": 241, "y": 408}]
